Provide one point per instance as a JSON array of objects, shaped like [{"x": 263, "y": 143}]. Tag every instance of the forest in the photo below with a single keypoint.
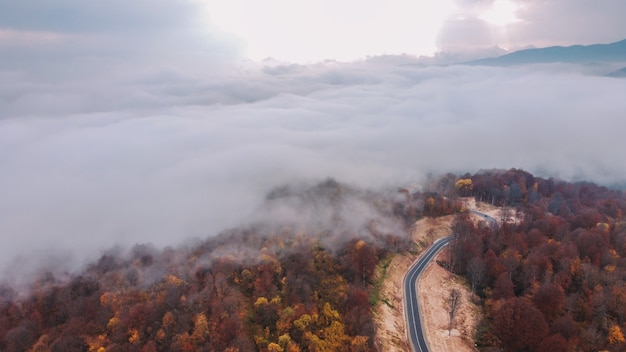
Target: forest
[
  {"x": 268, "y": 286},
  {"x": 306, "y": 280},
  {"x": 554, "y": 281}
]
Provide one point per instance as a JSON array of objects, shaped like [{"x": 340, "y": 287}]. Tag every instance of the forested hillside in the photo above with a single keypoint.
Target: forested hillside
[
  {"x": 300, "y": 283},
  {"x": 555, "y": 281},
  {"x": 302, "y": 276}
]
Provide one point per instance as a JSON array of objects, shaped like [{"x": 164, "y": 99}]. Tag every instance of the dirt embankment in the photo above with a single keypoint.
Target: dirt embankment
[{"x": 434, "y": 288}]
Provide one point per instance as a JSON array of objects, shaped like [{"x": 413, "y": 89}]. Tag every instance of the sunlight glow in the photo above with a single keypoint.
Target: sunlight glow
[
  {"x": 309, "y": 31},
  {"x": 501, "y": 13}
]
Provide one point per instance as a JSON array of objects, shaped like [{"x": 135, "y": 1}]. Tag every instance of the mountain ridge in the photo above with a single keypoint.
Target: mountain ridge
[{"x": 611, "y": 52}]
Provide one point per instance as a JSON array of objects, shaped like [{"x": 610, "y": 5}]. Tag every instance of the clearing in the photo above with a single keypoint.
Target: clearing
[{"x": 434, "y": 288}]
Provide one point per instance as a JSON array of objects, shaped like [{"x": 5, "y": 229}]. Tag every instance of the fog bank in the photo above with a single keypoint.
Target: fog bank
[{"x": 162, "y": 155}]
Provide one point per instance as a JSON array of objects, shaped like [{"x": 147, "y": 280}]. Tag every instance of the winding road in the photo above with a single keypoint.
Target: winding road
[
  {"x": 417, "y": 340},
  {"x": 491, "y": 219},
  {"x": 415, "y": 331}
]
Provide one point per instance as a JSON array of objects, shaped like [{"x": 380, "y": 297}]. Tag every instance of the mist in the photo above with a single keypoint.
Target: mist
[
  {"x": 99, "y": 149},
  {"x": 159, "y": 161}
]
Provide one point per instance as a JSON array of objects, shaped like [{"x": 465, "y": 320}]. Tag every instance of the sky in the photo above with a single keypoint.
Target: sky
[
  {"x": 306, "y": 31},
  {"x": 148, "y": 121}
]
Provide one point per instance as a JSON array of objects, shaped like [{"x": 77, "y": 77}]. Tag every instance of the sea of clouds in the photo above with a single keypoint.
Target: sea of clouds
[{"x": 103, "y": 145}]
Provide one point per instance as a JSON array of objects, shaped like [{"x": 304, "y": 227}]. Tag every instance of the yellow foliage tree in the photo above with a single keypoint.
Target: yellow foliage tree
[
  {"x": 168, "y": 320},
  {"x": 359, "y": 244},
  {"x": 316, "y": 344},
  {"x": 284, "y": 320},
  {"x": 359, "y": 343},
  {"x": 133, "y": 336},
  {"x": 284, "y": 340},
  {"x": 292, "y": 347},
  {"x": 274, "y": 347},
  {"x": 329, "y": 315},
  {"x": 261, "y": 301},
  {"x": 174, "y": 280},
  {"x": 113, "y": 323},
  {"x": 200, "y": 330},
  {"x": 335, "y": 335},
  {"x": 303, "y": 322},
  {"x": 464, "y": 186},
  {"x": 615, "y": 335}
]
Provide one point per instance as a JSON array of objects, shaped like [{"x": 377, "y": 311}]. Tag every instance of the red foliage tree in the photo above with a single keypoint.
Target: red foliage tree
[
  {"x": 519, "y": 325},
  {"x": 503, "y": 288},
  {"x": 553, "y": 343},
  {"x": 550, "y": 300}
]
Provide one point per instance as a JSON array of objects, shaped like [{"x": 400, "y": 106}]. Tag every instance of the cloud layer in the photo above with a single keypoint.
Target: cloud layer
[
  {"x": 122, "y": 131},
  {"x": 160, "y": 160},
  {"x": 540, "y": 23}
]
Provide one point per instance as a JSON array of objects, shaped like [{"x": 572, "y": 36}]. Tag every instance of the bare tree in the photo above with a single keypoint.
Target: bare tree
[
  {"x": 476, "y": 271},
  {"x": 454, "y": 301}
]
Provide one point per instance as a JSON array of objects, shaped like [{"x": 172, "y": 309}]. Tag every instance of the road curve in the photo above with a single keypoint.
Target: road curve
[
  {"x": 415, "y": 332},
  {"x": 491, "y": 219}
]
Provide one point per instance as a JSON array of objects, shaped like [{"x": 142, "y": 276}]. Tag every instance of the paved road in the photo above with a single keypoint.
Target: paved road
[
  {"x": 491, "y": 219},
  {"x": 417, "y": 340}
]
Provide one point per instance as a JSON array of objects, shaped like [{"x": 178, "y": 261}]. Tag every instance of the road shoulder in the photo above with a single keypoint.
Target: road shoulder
[
  {"x": 389, "y": 315},
  {"x": 434, "y": 287}
]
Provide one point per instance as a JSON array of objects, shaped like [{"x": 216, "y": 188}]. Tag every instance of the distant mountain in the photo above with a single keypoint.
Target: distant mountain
[
  {"x": 618, "y": 73},
  {"x": 570, "y": 54}
]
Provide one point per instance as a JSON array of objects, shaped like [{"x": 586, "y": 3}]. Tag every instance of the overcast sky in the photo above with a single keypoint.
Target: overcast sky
[{"x": 145, "y": 121}]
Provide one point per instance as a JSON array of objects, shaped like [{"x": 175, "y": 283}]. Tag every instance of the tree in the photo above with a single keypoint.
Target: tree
[
  {"x": 69, "y": 344},
  {"x": 615, "y": 335},
  {"x": 519, "y": 325},
  {"x": 20, "y": 338},
  {"x": 200, "y": 330},
  {"x": 359, "y": 262},
  {"x": 464, "y": 186},
  {"x": 274, "y": 347},
  {"x": 476, "y": 271},
  {"x": 453, "y": 303},
  {"x": 335, "y": 336},
  {"x": 549, "y": 299},
  {"x": 503, "y": 287},
  {"x": 553, "y": 343},
  {"x": 42, "y": 344}
]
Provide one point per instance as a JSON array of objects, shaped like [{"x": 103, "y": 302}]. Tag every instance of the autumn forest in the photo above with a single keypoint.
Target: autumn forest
[{"x": 550, "y": 277}]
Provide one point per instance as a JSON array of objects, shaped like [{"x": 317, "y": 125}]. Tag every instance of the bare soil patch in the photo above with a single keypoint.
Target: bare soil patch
[
  {"x": 389, "y": 316},
  {"x": 434, "y": 289},
  {"x": 508, "y": 214}
]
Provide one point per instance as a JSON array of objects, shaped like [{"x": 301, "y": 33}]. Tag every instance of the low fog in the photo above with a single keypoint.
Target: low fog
[
  {"x": 131, "y": 123},
  {"x": 161, "y": 160}
]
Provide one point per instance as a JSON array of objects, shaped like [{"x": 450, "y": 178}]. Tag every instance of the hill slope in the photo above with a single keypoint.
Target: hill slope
[{"x": 613, "y": 52}]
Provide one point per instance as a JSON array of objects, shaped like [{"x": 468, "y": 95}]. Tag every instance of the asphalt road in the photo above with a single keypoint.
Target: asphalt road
[
  {"x": 417, "y": 340},
  {"x": 491, "y": 219}
]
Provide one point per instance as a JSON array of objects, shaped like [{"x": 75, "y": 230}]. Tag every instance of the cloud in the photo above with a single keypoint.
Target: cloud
[
  {"x": 72, "y": 16},
  {"x": 539, "y": 23},
  {"x": 160, "y": 158},
  {"x": 569, "y": 22},
  {"x": 150, "y": 135},
  {"x": 91, "y": 40}
]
